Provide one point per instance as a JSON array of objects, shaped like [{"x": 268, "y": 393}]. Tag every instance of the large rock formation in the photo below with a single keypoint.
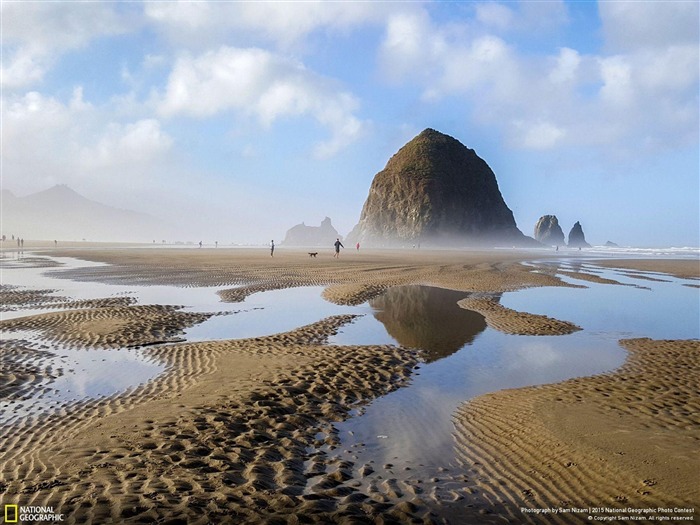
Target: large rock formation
[
  {"x": 303, "y": 235},
  {"x": 436, "y": 192},
  {"x": 548, "y": 231},
  {"x": 576, "y": 237}
]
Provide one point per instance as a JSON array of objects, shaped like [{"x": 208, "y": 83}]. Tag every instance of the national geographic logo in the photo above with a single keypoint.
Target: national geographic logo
[
  {"x": 17, "y": 514},
  {"x": 11, "y": 513}
]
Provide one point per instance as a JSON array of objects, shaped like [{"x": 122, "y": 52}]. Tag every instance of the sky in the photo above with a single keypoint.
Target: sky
[{"x": 234, "y": 121}]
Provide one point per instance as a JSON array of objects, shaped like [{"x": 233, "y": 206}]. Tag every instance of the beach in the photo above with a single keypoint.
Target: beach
[{"x": 244, "y": 430}]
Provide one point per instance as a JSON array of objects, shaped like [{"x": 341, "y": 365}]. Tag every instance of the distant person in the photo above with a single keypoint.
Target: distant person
[
  {"x": 557, "y": 248},
  {"x": 216, "y": 244},
  {"x": 55, "y": 244},
  {"x": 200, "y": 244},
  {"x": 23, "y": 244},
  {"x": 272, "y": 248},
  {"x": 17, "y": 242},
  {"x": 357, "y": 246},
  {"x": 338, "y": 245}
]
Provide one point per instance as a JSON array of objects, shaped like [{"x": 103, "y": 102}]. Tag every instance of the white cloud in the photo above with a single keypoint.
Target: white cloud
[
  {"x": 201, "y": 24},
  {"x": 530, "y": 17},
  {"x": 613, "y": 102},
  {"x": 616, "y": 74},
  {"x": 538, "y": 135},
  {"x": 673, "y": 68},
  {"x": 494, "y": 15},
  {"x": 630, "y": 26},
  {"x": 25, "y": 67},
  {"x": 566, "y": 67},
  {"x": 257, "y": 83},
  {"x": 35, "y": 34},
  {"x": 136, "y": 143},
  {"x": 444, "y": 60},
  {"x": 46, "y": 141}
]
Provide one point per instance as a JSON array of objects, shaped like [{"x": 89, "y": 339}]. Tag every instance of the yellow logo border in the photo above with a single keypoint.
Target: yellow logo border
[{"x": 16, "y": 509}]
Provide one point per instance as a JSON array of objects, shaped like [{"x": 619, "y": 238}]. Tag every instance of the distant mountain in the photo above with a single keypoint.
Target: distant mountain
[
  {"x": 60, "y": 213},
  {"x": 437, "y": 192}
]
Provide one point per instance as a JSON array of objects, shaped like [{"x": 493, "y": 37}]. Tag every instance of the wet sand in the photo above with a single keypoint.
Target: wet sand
[
  {"x": 686, "y": 268},
  {"x": 238, "y": 431},
  {"x": 510, "y": 321},
  {"x": 628, "y": 439}
]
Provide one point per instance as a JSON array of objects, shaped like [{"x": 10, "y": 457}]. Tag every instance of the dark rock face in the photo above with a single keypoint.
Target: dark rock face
[
  {"x": 548, "y": 231},
  {"x": 302, "y": 235},
  {"x": 576, "y": 237},
  {"x": 611, "y": 244},
  {"x": 436, "y": 191}
]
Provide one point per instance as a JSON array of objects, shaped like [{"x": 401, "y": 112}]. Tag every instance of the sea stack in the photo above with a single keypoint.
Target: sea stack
[
  {"x": 303, "y": 235},
  {"x": 548, "y": 231},
  {"x": 436, "y": 192},
  {"x": 576, "y": 237}
]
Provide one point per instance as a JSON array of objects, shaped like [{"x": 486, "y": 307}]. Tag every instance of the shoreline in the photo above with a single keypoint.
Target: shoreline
[{"x": 249, "y": 388}]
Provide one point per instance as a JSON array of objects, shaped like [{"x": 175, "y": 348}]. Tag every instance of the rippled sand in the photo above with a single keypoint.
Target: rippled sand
[{"x": 237, "y": 431}]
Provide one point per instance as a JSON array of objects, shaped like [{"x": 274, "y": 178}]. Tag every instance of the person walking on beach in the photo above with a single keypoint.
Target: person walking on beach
[
  {"x": 357, "y": 246},
  {"x": 338, "y": 245},
  {"x": 272, "y": 248}
]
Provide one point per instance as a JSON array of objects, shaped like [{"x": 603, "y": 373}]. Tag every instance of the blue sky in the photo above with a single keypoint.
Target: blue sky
[{"x": 236, "y": 120}]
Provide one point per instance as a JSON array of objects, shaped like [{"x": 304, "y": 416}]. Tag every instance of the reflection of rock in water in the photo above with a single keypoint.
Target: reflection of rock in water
[{"x": 428, "y": 318}]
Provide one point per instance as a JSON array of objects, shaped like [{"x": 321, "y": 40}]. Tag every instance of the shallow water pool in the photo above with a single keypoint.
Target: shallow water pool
[{"x": 413, "y": 427}]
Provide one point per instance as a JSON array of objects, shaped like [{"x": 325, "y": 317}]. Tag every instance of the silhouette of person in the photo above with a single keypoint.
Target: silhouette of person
[
  {"x": 357, "y": 246},
  {"x": 200, "y": 244},
  {"x": 337, "y": 245},
  {"x": 272, "y": 248}
]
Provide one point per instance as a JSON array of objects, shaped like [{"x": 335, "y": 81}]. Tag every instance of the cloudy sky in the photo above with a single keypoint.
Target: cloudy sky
[{"x": 237, "y": 120}]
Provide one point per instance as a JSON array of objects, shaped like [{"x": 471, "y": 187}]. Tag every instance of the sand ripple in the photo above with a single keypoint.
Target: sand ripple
[
  {"x": 233, "y": 431},
  {"x": 108, "y": 327},
  {"x": 513, "y": 322},
  {"x": 627, "y": 439}
]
